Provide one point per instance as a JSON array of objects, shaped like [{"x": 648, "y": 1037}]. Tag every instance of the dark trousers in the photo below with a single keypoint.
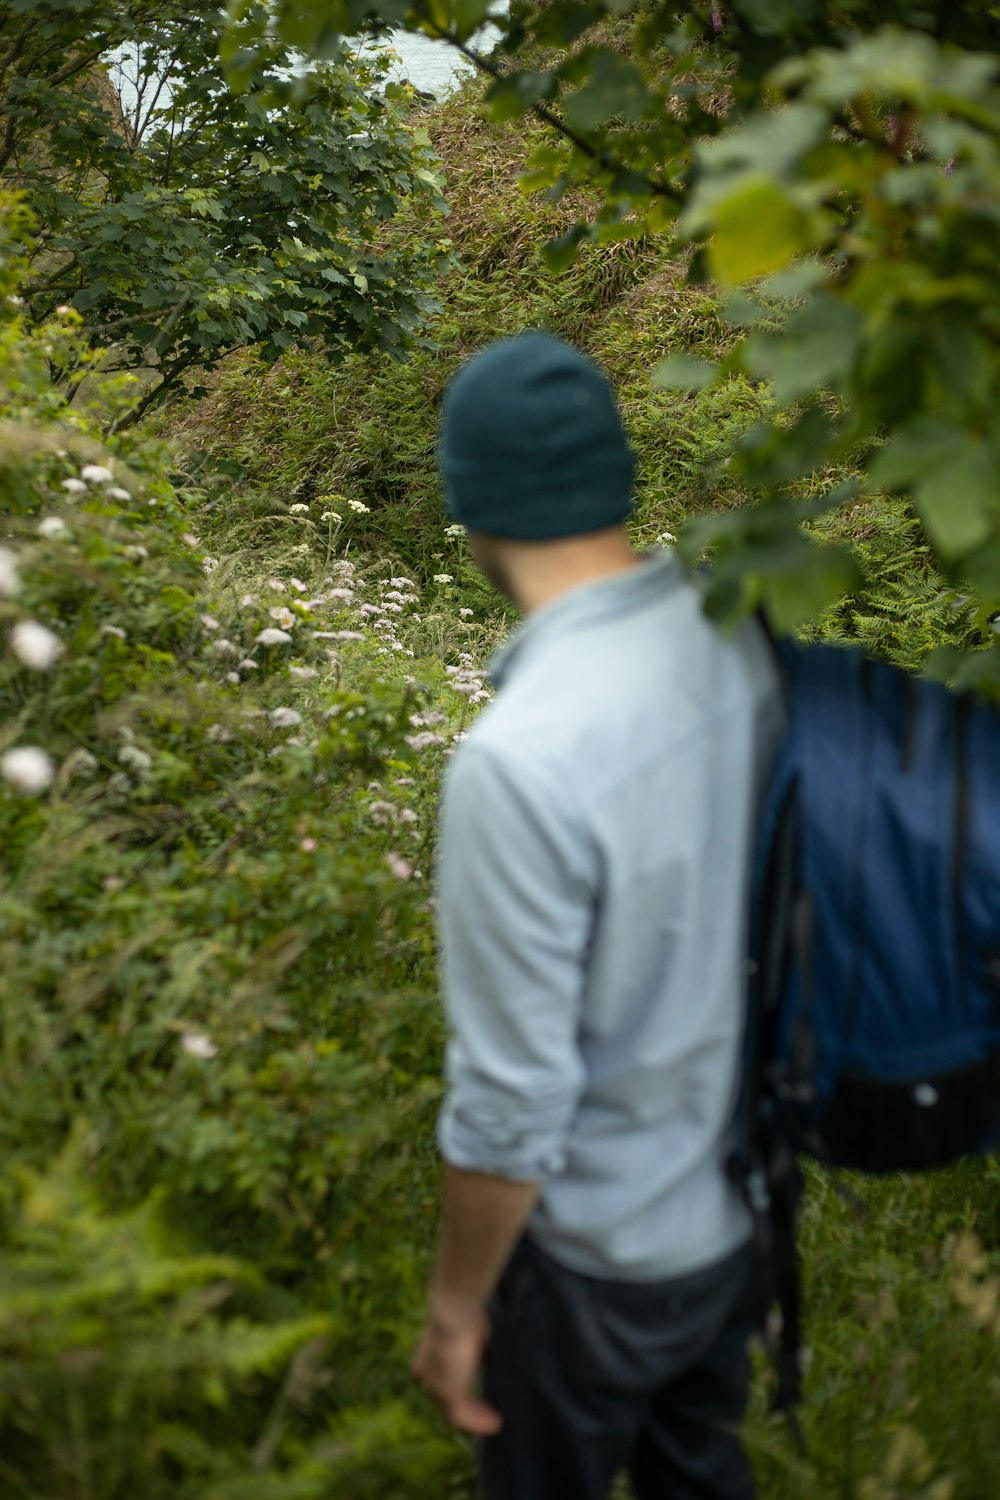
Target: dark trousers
[{"x": 594, "y": 1376}]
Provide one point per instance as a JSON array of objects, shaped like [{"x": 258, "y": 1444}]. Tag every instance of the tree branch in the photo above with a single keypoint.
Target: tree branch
[
  {"x": 548, "y": 117},
  {"x": 154, "y": 394}
]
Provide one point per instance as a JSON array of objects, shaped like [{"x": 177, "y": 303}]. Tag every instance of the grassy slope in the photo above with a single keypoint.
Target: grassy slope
[{"x": 905, "y": 1376}]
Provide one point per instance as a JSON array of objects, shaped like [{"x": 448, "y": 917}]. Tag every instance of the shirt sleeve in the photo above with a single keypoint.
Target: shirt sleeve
[{"x": 515, "y": 908}]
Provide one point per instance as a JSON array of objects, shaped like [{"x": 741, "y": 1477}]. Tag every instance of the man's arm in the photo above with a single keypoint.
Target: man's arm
[
  {"x": 483, "y": 1220},
  {"x": 514, "y": 888}
]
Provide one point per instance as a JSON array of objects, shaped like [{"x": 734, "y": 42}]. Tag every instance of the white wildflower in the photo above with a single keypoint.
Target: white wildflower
[
  {"x": 114, "y": 630},
  {"x": 297, "y": 585},
  {"x": 119, "y": 785},
  {"x": 27, "y": 768},
  {"x": 443, "y": 578},
  {"x": 276, "y": 584},
  {"x": 346, "y": 595},
  {"x": 209, "y": 564},
  {"x": 223, "y": 648},
  {"x": 136, "y": 553},
  {"x": 82, "y": 763},
  {"x": 455, "y": 529},
  {"x": 35, "y": 645},
  {"x": 272, "y": 637},
  {"x": 210, "y": 622},
  {"x": 427, "y": 720},
  {"x": 423, "y": 741},
  {"x": 304, "y": 674},
  {"x": 340, "y": 635},
  {"x": 218, "y": 734},
  {"x": 190, "y": 538},
  {"x": 197, "y": 1044},
  {"x": 117, "y": 493},
  {"x": 51, "y": 527},
  {"x": 96, "y": 474},
  {"x": 247, "y": 665},
  {"x": 10, "y": 578},
  {"x": 331, "y": 515},
  {"x": 233, "y": 678},
  {"x": 401, "y": 583},
  {"x": 283, "y": 616},
  {"x": 465, "y": 613},
  {"x": 135, "y": 759},
  {"x": 666, "y": 538},
  {"x": 298, "y": 510},
  {"x": 247, "y": 601},
  {"x": 74, "y": 486},
  {"x": 398, "y": 866},
  {"x": 359, "y": 507},
  {"x": 284, "y": 718}
]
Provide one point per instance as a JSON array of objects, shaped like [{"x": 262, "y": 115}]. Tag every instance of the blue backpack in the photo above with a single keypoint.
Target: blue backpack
[{"x": 873, "y": 1030}]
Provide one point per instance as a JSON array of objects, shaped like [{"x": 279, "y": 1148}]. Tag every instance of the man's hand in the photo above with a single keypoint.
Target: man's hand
[
  {"x": 483, "y": 1220},
  {"x": 447, "y": 1364}
]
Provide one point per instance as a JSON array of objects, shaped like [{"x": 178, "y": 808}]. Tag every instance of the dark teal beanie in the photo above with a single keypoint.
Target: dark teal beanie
[{"x": 532, "y": 446}]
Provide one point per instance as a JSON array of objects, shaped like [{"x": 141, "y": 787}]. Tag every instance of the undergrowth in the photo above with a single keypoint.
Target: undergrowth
[{"x": 219, "y": 1068}]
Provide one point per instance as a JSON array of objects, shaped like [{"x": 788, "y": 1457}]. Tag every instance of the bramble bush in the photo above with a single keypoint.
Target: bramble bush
[{"x": 219, "y": 1037}]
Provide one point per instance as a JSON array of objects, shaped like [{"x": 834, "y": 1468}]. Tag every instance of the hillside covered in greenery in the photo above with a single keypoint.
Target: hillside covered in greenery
[{"x": 241, "y": 642}]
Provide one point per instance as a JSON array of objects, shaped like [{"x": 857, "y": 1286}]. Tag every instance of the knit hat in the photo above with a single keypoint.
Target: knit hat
[{"x": 532, "y": 446}]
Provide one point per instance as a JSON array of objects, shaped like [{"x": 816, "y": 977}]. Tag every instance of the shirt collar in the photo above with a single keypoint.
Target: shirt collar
[{"x": 588, "y": 604}]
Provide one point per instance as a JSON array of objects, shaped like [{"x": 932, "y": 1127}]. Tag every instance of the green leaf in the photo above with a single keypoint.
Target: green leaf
[
  {"x": 954, "y": 477},
  {"x": 614, "y": 87},
  {"x": 561, "y": 253},
  {"x": 959, "y": 502},
  {"x": 821, "y": 576},
  {"x": 757, "y": 229},
  {"x": 511, "y": 96},
  {"x": 817, "y": 348},
  {"x": 770, "y": 142},
  {"x": 680, "y": 372}
]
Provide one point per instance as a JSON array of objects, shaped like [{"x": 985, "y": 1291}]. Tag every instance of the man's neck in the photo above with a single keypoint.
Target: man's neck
[{"x": 540, "y": 572}]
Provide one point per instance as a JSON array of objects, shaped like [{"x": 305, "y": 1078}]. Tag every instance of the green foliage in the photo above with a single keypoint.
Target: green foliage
[
  {"x": 220, "y": 1042},
  {"x": 847, "y": 152},
  {"x": 182, "y": 221},
  {"x": 219, "y": 1048}
]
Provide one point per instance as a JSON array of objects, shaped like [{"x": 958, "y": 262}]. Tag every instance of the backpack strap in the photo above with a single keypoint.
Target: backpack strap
[{"x": 763, "y": 1161}]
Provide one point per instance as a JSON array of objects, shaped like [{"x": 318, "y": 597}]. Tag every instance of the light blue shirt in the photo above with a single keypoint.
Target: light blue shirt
[{"x": 592, "y": 880}]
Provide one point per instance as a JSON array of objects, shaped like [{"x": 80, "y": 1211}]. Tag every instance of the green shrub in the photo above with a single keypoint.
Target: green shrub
[{"x": 219, "y": 1047}]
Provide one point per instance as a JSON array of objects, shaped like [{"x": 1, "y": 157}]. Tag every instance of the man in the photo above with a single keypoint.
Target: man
[{"x": 594, "y": 1259}]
